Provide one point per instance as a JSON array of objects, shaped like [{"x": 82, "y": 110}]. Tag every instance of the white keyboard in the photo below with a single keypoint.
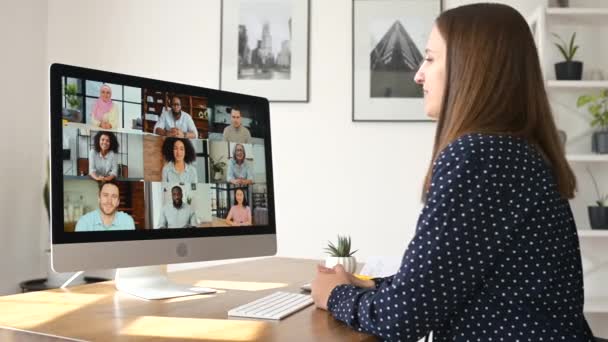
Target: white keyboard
[{"x": 275, "y": 306}]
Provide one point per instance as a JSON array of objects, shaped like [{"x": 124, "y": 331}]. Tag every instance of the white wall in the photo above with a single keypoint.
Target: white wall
[
  {"x": 23, "y": 142},
  {"x": 366, "y": 176}
]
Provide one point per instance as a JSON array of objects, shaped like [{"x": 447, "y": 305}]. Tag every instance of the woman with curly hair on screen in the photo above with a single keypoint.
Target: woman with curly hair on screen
[
  {"x": 103, "y": 158},
  {"x": 179, "y": 155}
]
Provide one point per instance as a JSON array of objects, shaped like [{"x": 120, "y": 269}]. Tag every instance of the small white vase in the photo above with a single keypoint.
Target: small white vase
[{"x": 349, "y": 263}]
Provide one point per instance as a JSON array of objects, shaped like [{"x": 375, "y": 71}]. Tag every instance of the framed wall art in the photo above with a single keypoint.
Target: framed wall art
[
  {"x": 389, "y": 38},
  {"x": 265, "y": 48}
]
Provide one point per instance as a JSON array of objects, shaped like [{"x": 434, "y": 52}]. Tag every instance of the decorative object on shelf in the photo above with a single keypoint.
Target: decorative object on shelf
[
  {"x": 598, "y": 214},
  {"x": 597, "y": 105},
  {"x": 340, "y": 254},
  {"x": 265, "y": 48},
  {"x": 596, "y": 75},
  {"x": 559, "y": 3},
  {"x": 203, "y": 113},
  {"x": 569, "y": 69},
  {"x": 388, "y": 41}
]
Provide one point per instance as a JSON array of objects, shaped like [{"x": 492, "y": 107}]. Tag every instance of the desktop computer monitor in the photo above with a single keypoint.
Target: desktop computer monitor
[{"x": 149, "y": 172}]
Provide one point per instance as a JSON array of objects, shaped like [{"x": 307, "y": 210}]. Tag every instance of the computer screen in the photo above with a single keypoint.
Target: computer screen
[{"x": 147, "y": 172}]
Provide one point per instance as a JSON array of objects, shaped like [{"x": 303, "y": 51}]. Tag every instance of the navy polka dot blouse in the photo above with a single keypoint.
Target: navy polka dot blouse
[{"x": 495, "y": 256}]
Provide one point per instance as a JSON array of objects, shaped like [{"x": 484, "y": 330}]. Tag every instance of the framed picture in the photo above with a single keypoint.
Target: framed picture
[
  {"x": 265, "y": 48},
  {"x": 389, "y": 38}
]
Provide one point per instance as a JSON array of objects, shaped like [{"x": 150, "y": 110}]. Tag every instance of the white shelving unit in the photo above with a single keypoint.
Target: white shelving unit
[
  {"x": 577, "y": 84},
  {"x": 577, "y": 16},
  {"x": 587, "y": 158},
  {"x": 546, "y": 16},
  {"x": 543, "y": 21},
  {"x": 589, "y": 233},
  {"x": 596, "y": 305}
]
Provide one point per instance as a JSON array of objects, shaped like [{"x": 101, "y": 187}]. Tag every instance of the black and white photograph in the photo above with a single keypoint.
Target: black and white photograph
[
  {"x": 389, "y": 38},
  {"x": 265, "y": 48},
  {"x": 264, "y": 41},
  {"x": 394, "y": 59}
]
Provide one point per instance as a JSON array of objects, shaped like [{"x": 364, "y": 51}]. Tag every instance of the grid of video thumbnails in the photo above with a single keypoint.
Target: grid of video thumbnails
[{"x": 138, "y": 159}]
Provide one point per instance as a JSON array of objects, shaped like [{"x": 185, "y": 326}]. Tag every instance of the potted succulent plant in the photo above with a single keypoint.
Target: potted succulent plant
[
  {"x": 568, "y": 69},
  {"x": 597, "y": 105},
  {"x": 598, "y": 214},
  {"x": 341, "y": 254}
]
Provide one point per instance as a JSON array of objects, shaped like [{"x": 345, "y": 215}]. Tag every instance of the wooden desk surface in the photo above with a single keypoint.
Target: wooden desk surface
[{"x": 98, "y": 312}]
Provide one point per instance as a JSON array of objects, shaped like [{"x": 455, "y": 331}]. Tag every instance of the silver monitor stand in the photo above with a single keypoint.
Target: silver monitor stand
[{"x": 151, "y": 282}]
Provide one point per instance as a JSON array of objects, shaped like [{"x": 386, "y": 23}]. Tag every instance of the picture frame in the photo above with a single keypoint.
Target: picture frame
[
  {"x": 265, "y": 48},
  {"x": 383, "y": 87}
]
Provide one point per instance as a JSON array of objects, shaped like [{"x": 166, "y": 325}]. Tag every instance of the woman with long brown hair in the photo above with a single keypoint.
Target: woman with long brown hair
[{"x": 496, "y": 254}]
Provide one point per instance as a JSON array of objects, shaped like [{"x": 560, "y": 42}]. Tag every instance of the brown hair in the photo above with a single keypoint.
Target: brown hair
[{"x": 494, "y": 85}]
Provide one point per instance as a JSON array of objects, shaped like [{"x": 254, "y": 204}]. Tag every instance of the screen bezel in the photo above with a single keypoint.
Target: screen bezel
[{"x": 58, "y": 234}]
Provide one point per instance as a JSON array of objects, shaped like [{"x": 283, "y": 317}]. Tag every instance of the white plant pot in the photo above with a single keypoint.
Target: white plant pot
[{"x": 349, "y": 263}]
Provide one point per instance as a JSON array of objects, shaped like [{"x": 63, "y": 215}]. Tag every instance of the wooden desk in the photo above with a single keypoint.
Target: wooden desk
[{"x": 98, "y": 312}]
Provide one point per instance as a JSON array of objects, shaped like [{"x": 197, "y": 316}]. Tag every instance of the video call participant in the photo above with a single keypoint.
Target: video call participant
[
  {"x": 105, "y": 111},
  {"x": 236, "y": 132},
  {"x": 179, "y": 155},
  {"x": 177, "y": 214},
  {"x": 240, "y": 213},
  {"x": 103, "y": 158},
  {"x": 176, "y": 123},
  {"x": 239, "y": 172},
  {"x": 107, "y": 217}
]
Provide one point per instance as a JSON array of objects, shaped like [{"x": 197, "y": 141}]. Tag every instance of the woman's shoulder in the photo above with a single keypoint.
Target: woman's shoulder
[{"x": 483, "y": 148}]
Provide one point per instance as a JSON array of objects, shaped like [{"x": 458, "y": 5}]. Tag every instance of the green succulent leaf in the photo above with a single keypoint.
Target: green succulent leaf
[
  {"x": 563, "y": 51},
  {"x": 568, "y": 50},
  {"x": 342, "y": 249},
  {"x": 573, "y": 52},
  {"x": 571, "y": 47}
]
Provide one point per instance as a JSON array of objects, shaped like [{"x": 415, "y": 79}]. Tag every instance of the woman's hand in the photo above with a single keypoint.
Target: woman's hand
[{"x": 325, "y": 281}]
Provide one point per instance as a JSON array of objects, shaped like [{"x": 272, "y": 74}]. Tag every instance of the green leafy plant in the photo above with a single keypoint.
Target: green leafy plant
[
  {"x": 597, "y": 105},
  {"x": 567, "y": 50},
  {"x": 342, "y": 249},
  {"x": 602, "y": 200},
  {"x": 71, "y": 96}
]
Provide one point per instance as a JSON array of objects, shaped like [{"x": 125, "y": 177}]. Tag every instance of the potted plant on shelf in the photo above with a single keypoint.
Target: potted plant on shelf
[
  {"x": 217, "y": 169},
  {"x": 568, "y": 69},
  {"x": 597, "y": 105},
  {"x": 72, "y": 113},
  {"x": 340, "y": 254},
  {"x": 598, "y": 214}
]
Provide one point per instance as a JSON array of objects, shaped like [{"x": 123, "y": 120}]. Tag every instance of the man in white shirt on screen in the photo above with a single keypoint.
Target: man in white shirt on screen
[
  {"x": 176, "y": 123},
  {"x": 177, "y": 214}
]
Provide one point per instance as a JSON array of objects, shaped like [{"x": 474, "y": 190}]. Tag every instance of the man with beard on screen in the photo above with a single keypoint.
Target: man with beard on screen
[
  {"x": 107, "y": 217},
  {"x": 177, "y": 214}
]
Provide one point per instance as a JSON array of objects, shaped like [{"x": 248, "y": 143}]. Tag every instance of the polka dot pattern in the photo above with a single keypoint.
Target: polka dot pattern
[{"x": 495, "y": 256}]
